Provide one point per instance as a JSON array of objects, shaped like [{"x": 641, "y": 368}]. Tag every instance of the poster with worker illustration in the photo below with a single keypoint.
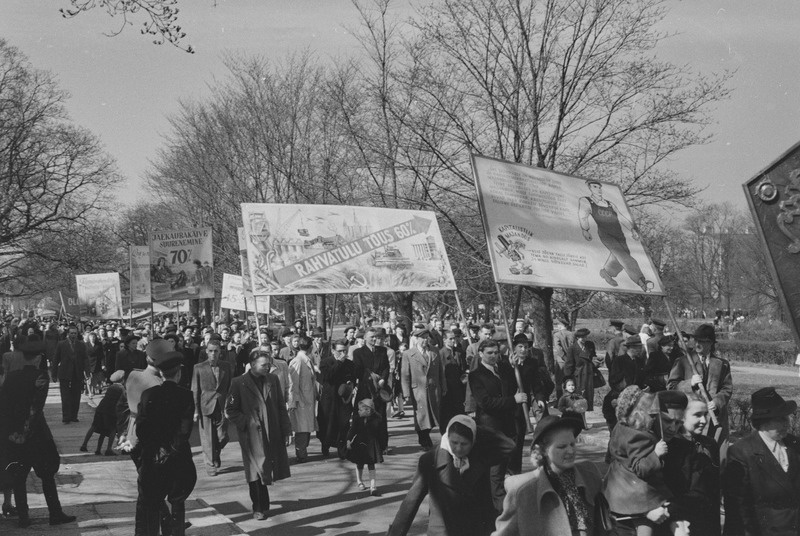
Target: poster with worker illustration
[
  {"x": 326, "y": 249},
  {"x": 99, "y": 296},
  {"x": 181, "y": 264},
  {"x": 548, "y": 229}
]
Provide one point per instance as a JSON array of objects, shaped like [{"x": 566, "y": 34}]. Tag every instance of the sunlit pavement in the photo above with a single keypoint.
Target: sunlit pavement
[{"x": 320, "y": 498}]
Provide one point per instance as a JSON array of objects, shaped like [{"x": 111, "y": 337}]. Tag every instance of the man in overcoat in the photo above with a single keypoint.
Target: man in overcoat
[
  {"x": 761, "y": 480},
  {"x": 211, "y": 381},
  {"x": 423, "y": 381},
  {"x": 334, "y": 410},
  {"x": 302, "y": 398},
  {"x": 494, "y": 386},
  {"x": 580, "y": 362},
  {"x": 69, "y": 369},
  {"x": 26, "y": 439},
  {"x": 703, "y": 366},
  {"x": 257, "y": 408}
]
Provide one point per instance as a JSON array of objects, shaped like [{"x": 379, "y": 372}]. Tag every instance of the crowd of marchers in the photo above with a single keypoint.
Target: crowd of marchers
[{"x": 670, "y": 468}]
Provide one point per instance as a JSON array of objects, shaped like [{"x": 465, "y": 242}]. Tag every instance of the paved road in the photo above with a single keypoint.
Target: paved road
[{"x": 319, "y": 499}]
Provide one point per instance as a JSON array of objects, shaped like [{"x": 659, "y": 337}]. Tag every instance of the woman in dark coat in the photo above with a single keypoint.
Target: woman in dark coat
[
  {"x": 333, "y": 411},
  {"x": 455, "y": 476},
  {"x": 762, "y": 494}
]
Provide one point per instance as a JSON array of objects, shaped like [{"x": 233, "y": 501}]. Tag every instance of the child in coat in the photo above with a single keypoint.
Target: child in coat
[
  {"x": 634, "y": 485},
  {"x": 572, "y": 401},
  {"x": 105, "y": 416},
  {"x": 362, "y": 443}
]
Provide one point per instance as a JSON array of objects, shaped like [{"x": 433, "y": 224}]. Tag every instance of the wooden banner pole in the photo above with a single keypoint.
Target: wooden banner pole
[
  {"x": 517, "y": 373},
  {"x": 361, "y": 310},
  {"x": 305, "y": 307},
  {"x": 461, "y": 312},
  {"x": 333, "y": 316}
]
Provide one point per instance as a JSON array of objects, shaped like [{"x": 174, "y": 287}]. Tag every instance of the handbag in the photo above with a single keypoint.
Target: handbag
[
  {"x": 603, "y": 522},
  {"x": 597, "y": 377}
]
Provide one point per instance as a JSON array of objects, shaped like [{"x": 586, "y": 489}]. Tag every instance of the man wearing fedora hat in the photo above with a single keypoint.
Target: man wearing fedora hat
[
  {"x": 626, "y": 370},
  {"x": 761, "y": 481},
  {"x": 703, "y": 367},
  {"x": 423, "y": 380}
]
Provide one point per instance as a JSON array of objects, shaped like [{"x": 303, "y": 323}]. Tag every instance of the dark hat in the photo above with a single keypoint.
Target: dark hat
[
  {"x": 421, "y": 332},
  {"x": 705, "y": 332},
  {"x": 521, "y": 339},
  {"x": 630, "y": 330},
  {"x": 665, "y": 400},
  {"x": 158, "y": 347},
  {"x": 348, "y": 328},
  {"x": 285, "y": 332},
  {"x": 215, "y": 337},
  {"x": 667, "y": 340},
  {"x": 346, "y": 392},
  {"x": 317, "y": 332},
  {"x": 686, "y": 336},
  {"x": 657, "y": 322},
  {"x": 457, "y": 332},
  {"x": 32, "y": 348},
  {"x": 632, "y": 341},
  {"x": 583, "y": 332},
  {"x": 617, "y": 324},
  {"x": 360, "y": 334},
  {"x": 380, "y": 332},
  {"x": 385, "y": 393},
  {"x": 551, "y": 422},
  {"x": 474, "y": 327},
  {"x": 168, "y": 360},
  {"x": 768, "y": 404},
  {"x": 130, "y": 338}
]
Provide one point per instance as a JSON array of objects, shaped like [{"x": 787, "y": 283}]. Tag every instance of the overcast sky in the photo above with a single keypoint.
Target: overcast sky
[{"x": 123, "y": 88}]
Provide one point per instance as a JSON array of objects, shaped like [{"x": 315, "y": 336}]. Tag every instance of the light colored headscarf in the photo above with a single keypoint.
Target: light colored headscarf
[{"x": 461, "y": 464}]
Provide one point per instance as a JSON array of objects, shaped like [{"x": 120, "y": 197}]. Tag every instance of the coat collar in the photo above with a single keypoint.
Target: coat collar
[
  {"x": 250, "y": 382},
  {"x": 766, "y": 460},
  {"x": 546, "y": 488}
]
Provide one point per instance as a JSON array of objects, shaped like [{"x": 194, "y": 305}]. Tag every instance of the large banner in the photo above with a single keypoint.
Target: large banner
[
  {"x": 234, "y": 294},
  {"x": 99, "y": 296},
  {"x": 773, "y": 196},
  {"x": 140, "y": 274},
  {"x": 547, "y": 229},
  {"x": 324, "y": 249},
  {"x": 182, "y": 264}
]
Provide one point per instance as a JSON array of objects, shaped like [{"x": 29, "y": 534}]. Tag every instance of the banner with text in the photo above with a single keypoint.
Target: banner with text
[
  {"x": 547, "y": 229},
  {"x": 99, "y": 296},
  {"x": 234, "y": 295},
  {"x": 325, "y": 249},
  {"x": 182, "y": 264},
  {"x": 140, "y": 274}
]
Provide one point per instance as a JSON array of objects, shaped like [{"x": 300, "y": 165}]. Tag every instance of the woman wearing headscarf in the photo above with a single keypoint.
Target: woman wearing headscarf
[
  {"x": 455, "y": 475},
  {"x": 558, "y": 497}
]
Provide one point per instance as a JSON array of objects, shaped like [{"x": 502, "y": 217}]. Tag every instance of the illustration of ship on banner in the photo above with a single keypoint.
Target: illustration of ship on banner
[{"x": 325, "y": 249}]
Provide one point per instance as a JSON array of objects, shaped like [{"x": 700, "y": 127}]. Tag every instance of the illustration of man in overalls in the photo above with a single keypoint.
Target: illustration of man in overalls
[{"x": 610, "y": 222}]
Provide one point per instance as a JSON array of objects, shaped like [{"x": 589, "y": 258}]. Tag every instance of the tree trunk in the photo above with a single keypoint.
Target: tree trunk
[
  {"x": 322, "y": 313},
  {"x": 288, "y": 310},
  {"x": 543, "y": 323}
]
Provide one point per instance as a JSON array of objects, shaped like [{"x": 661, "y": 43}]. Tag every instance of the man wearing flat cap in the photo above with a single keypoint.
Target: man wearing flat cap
[
  {"x": 704, "y": 367},
  {"x": 761, "y": 480},
  {"x": 163, "y": 427}
]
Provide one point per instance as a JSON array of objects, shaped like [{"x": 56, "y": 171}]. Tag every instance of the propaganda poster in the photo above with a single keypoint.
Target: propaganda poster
[
  {"x": 325, "y": 249},
  {"x": 182, "y": 264},
  {"x": 140, "y": 274},
  {"x": 99, "y": 296},
  {"x": 547, "y": 229}
]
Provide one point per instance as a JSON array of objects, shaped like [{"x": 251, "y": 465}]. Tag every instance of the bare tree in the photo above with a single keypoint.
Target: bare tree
[
  {"x": 160, "y": 18},
  {"x": 54, "y": 176},
  {"x": 568, "y": 85}
]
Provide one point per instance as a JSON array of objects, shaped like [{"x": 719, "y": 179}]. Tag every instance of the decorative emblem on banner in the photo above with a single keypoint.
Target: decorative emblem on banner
[{"x": 790, "y": 209}]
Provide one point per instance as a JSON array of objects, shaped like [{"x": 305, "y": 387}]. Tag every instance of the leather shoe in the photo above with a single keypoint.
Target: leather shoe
[
  {"x": 259, "y": 516},
  {"x": 60, "y": 518}
]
